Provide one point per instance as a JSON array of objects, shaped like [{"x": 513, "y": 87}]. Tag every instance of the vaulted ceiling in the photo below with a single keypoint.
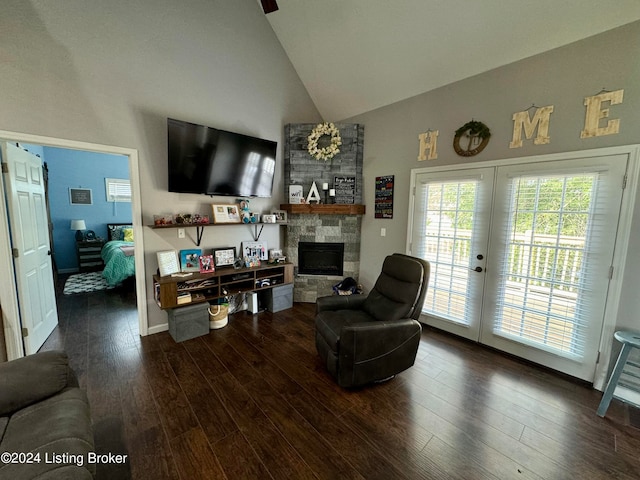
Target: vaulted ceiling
[{"x": 354, "y": 56}]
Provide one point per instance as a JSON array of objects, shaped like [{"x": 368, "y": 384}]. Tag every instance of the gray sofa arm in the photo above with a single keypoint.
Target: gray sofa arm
[
  {"x": 340, "y": 302},
  {"x": 33, "y": 378}
]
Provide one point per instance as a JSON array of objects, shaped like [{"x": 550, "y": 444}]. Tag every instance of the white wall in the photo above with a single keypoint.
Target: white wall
[
  {"x": 112, "y": 72},
  {"x": 561, "y": 77}
]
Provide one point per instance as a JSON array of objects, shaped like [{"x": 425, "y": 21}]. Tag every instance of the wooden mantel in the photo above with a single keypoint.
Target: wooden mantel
[{"x": 324, "y": 209}]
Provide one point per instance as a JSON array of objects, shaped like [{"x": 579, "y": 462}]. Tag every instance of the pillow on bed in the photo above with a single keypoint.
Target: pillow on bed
[
  {"x": 117, "y": 231},
  {"x": 128, "y": 234}
]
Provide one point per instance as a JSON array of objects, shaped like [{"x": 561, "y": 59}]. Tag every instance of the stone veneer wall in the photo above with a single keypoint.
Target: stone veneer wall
[
  {"x": 300, "y": 168},
  {"x": 322, "y": 228}
]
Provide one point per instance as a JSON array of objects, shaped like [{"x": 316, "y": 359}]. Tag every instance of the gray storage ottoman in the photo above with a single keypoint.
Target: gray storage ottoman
[
  {"x": 280, "y": 298},
  {"x": 188, "y": 322}
]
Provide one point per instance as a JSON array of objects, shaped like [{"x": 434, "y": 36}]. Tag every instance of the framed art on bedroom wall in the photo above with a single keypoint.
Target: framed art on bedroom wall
[{"x": 80, "y": 196}]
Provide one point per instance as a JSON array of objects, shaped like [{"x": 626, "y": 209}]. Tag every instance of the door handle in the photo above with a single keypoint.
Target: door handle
[{"x": 477, "y": 269}]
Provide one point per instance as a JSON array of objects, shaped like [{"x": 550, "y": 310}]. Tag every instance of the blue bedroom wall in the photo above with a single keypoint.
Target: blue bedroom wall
[
  {"x": 35, "y": 149},
  {"x": 80, "y": 169}
]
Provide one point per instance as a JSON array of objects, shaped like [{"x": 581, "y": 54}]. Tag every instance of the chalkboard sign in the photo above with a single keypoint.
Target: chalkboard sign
[
  {"x": 384, "y": 197},
  {"x": 80, "y": 196},
  {"x": 345, "y": 187}
]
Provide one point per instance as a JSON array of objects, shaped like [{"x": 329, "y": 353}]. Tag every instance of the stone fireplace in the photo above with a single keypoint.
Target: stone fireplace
[{"x": 327, "y": 223}]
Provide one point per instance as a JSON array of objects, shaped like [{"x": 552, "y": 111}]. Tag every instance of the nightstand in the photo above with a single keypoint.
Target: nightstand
[{"x": 89, "y": 255}]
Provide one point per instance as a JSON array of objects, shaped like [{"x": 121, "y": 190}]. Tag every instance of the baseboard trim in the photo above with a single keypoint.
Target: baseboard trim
[{"x": 158, "y": 328}]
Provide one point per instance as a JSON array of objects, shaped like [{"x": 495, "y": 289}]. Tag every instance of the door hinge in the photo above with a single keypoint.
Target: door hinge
[
  {"x": 624, "y": 181},
  {"x": 25, "y": 332},
  {"x": 598, "y": 358},
  {"x": 5, "y": 167},
  {"x": 15, "y": 253},
  {"x": 611, "y": 272}
]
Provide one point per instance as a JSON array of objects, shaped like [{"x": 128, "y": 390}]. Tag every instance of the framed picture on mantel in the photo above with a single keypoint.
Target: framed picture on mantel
[{"x": 345, "y": 189}]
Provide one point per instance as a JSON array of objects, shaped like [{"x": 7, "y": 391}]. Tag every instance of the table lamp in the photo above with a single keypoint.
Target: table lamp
[{"x": 78, "y": 226}]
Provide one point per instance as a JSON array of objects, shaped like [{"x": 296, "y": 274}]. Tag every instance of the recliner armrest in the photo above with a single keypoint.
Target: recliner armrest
[
  {"x": 30, "y": 379},
  {"x": 376, "y": 350},
  {"x": 368, "y": 340},
  {"x": 340, "y": 302}
]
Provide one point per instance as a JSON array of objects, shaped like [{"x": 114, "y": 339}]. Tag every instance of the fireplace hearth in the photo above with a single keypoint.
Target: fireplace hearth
[{"x": 320, "y": 258}]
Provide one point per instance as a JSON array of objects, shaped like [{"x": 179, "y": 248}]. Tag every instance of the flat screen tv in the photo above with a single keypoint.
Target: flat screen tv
[{"x": 216, "y": 162}]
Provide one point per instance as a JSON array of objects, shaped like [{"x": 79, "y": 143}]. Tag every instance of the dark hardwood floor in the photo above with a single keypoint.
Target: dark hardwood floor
[{"x": 253, "y": 401}]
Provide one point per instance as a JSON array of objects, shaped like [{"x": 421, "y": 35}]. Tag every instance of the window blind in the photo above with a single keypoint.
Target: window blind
[
  {"x": 118, "y": 189},
  {"x": 445, "y": 217},
  {"x": 554, "y": 227}
]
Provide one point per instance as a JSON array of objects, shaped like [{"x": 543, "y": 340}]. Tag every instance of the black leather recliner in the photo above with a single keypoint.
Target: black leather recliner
[{"x": 363, "y": 339}]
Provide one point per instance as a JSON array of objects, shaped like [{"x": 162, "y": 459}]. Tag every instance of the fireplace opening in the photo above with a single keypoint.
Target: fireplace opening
[{"x": 318, "y": 258}]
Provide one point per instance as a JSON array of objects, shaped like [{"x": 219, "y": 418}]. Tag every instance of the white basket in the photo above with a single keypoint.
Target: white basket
[{"x": 218, "y": 316}]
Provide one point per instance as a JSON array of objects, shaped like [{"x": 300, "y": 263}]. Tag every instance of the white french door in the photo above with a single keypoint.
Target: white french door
[
  {"x": 521, "y": 255},
  {"x": 552, "y": 245},
  {"x": 451, "y": 219}
]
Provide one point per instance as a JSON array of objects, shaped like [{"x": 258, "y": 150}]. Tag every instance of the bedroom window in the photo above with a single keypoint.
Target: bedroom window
[{"x": 118, "y": 189}]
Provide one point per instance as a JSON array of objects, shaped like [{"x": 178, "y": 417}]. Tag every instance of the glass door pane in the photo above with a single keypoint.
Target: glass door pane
[
  {"x": 552, "y": 245},
  {"x": 450, "y": 229},
  {"x": 545, "y": 260}
]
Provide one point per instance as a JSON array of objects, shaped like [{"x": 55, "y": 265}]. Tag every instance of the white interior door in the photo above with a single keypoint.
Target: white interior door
[
  {"x": 24, "y": 185},
  {"x": 450, "y": 229},
  {"x": 520, "y": 255}
]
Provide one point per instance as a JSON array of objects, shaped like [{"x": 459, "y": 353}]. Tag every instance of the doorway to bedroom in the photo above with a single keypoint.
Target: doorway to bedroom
[
  {"x": 89, "y": 207},
  {"x": 88, "y": 188}
]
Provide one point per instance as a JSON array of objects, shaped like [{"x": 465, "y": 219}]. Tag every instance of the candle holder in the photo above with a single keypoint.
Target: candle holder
[{"x": 325, "y": 191}]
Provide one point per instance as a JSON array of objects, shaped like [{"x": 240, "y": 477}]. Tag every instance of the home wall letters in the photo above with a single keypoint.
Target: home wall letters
[
  {"x": 595, "y": 112},
  {"x": 540, "y": 123},
  {"x": 428, "y": 141}
]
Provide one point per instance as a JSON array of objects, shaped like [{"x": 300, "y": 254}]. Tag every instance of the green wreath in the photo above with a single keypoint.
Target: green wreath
[{"x": 475, "y": 128}]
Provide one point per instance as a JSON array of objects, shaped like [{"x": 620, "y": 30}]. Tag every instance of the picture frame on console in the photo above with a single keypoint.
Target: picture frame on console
[
  {"x": 190, "y": 260},
  {"x": 255, "y": 249},
  {"x": 206, "y": 264},
  {"x": 224, "y": 257}
]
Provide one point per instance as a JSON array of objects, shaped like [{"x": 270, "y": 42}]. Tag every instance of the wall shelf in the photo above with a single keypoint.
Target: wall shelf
[
  {"x": 255, "y": 232},
  {"x": 324, "y": 209}
]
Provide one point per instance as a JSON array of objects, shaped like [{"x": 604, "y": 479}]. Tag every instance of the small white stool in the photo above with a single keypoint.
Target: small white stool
[{"x": 629, "y": 341}]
